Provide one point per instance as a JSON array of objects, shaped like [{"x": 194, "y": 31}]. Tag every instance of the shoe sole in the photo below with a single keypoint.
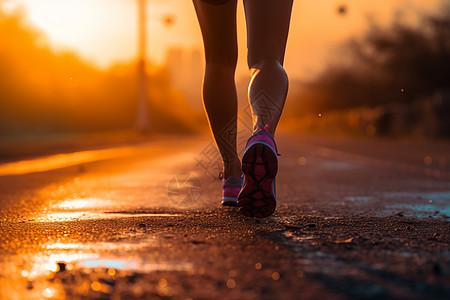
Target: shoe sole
[
  {"x": 229, "y": 202},
  {"x": 260, "y": 166}
]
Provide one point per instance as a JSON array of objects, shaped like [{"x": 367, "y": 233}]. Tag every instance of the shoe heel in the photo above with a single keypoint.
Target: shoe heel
[{"x": 260, "y": 166}]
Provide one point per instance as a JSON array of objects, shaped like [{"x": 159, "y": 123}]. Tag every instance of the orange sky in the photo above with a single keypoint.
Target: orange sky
[{"x": 104, "y": 31}]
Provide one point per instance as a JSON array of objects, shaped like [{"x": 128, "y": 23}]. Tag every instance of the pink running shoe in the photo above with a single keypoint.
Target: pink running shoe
[
  {"x": 231, "y": 188},
  {"x": 257, "y": 198}
]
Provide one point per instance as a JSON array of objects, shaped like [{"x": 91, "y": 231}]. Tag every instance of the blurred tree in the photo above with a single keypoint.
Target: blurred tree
[
  {"x": 41, "y": 90},
  {"x": 397, "y": 64}
]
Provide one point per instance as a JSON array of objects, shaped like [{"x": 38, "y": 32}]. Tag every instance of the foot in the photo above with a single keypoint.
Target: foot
[
  {"x": 257, "y": 198},
  {"x": 231, "y": 188}
]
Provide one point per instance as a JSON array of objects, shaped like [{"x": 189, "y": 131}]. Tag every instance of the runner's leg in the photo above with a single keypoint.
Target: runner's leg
[
  {"x": 217, "y": 20},
  {"x": 267, "y": 32}
]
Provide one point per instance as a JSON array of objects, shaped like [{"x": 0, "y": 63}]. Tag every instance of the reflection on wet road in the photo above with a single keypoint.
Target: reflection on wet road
[
  {"x": 58, "y": 161},
  {"x": 146, "y": 221}
]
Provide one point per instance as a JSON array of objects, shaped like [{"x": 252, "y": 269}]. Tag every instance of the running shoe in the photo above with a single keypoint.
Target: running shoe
[
  {"x": 231, "y": 188},
  {"x": 257, "y": 198}
]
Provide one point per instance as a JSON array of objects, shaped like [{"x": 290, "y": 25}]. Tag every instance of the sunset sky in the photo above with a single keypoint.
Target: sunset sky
[{"x": 104, "y": 31}]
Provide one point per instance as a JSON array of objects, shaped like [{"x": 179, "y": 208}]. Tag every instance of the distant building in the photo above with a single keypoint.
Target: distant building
[{"x": 185, "y": 69}]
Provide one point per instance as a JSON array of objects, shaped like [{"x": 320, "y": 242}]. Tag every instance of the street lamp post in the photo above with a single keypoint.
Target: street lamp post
[{"x": 142, "y": 107}]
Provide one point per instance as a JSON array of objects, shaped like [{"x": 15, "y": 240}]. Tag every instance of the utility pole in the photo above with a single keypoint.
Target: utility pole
[{"x": 142, "y": 121}]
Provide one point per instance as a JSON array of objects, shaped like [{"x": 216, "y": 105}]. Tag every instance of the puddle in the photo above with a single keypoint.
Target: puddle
[
  {"x": 76, "y": 254},
  {"x": 62, "y": 267},
  {"x": 443, "y": 197},
  {"x": 125, "y": 214},
  {"x": 103, "y": 246},
  {"x": 134, "y": 265},
  {"x": 45, "y": 265},
  {"x": 418, "y": 205},
  {"x": 421, "y": 210},
  {"x": 422, "y": 205},
  {"x": 80, "y": 216}
]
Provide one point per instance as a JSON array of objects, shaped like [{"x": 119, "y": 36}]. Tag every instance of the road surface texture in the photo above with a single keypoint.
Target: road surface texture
[{"x": 356, "y": 219}]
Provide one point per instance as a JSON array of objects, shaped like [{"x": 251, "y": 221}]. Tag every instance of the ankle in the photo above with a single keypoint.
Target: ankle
[
  {"x": 232, "y": 169},
  {"x": 266, "y": 127}
]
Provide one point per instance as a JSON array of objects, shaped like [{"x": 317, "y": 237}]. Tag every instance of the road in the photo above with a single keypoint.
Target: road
[{"x": 356, "y": 219}]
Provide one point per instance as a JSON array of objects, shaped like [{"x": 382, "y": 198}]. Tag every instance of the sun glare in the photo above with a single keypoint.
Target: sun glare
[
  {"x": 100, "y": 30},
  {"x": 82, "y": 203},
  {"x": 105, "y": 31}
]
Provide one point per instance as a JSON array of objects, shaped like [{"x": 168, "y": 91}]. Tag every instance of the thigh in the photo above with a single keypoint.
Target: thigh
[
  {"x": 267, "y": 29},
  {"x": 217, "y": 19}
]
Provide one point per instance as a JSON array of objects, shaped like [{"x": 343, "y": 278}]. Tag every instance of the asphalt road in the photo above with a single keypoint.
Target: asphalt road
[{"x": 356, "y": 219}]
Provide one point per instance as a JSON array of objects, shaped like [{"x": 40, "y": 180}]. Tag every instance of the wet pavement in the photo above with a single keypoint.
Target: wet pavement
[{"x": 356, "y": 219}]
